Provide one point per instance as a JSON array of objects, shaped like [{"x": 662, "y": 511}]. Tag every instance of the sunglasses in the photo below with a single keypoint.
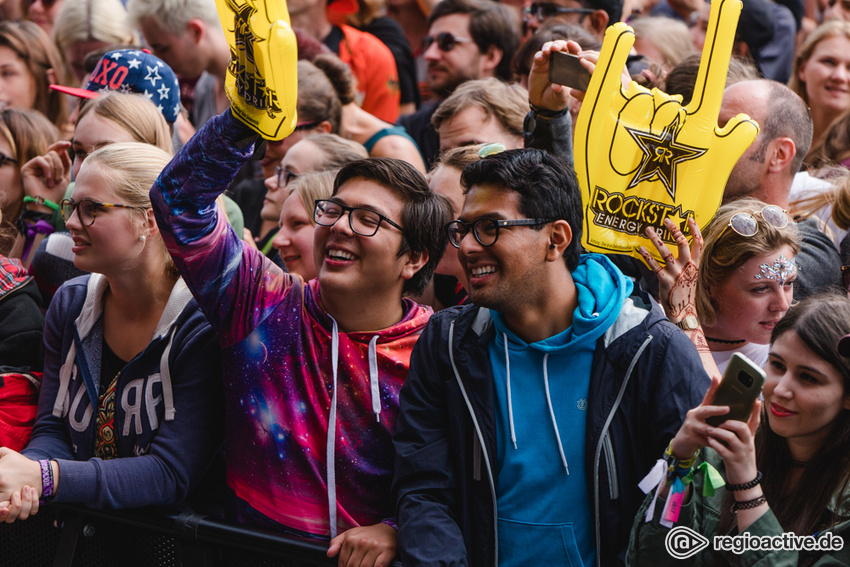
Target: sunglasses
[
  {"x": 545, "y": 10},
  {"x": 284, "y": 176},
  {"x": 87, "y": 209},
  {"x": 747, "y": 225},
  {"x": 445, "y": 41},
  {"x": 486, "y": 230},
  {"x": 46, "y": 3}
]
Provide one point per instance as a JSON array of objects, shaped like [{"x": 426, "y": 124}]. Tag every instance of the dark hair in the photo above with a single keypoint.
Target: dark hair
[
  {"x": 550, "y": 31},
  {"x": 614, "y": 8},
  {"x": 490, "y": 24},
  {"x": 424, "y": 215},
  {"x": 682, "y": 78},
  {"x": 819, "y": 321},
  {"x": 546, "y": 184}
]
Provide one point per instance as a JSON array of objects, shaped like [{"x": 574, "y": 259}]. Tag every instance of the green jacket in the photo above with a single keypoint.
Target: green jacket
[{"x": 702, "y": 514}]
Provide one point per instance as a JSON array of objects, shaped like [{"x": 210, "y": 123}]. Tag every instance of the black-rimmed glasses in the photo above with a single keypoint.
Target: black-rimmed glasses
[
  {"x": 486, "y": 230},
  {"x": 445, "y": 41},
  {"x": 284, "y": 176},
  {"x": 364, "y": 222},
  {"x": 746, "y": 224},
  {"x": 87, "y": 209},
  {"x": 545, "y": 10}
]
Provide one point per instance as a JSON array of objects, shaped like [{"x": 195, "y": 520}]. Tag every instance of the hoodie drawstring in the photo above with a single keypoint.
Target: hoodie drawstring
[
  {"x": 510, "y": 402},
  {"x": 552, "y": 412},
  {"x": 373, "y": 377},
  {"x": 331, "y": 449},
  {"x": 548, "y": 403}
]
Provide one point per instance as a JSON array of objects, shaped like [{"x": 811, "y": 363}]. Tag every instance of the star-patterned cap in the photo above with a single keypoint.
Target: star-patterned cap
[{"x": 133, "y": 71}]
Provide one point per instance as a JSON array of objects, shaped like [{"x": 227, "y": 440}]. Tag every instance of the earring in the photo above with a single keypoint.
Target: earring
[
  {"x": 551, "y": 246},
  {"x": 143, "y": 238}
]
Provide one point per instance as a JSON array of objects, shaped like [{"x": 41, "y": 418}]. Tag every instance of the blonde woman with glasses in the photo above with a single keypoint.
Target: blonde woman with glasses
[
  {"x": 730, "y": 291},
  {"x": 130, "y": 412}
]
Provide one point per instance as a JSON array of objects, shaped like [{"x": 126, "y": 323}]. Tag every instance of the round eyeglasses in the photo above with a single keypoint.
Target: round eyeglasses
[
  {"x": 87, "y": 209},
  {"x": 284, "y": 176},
  {"x": 746, "y": 224},
  {"x": 364, "y": 222},
  {"x": 486, "y": 230}
]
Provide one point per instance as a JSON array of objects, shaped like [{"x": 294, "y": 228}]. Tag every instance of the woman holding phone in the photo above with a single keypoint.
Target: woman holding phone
[{"x": 787, "y": 469}]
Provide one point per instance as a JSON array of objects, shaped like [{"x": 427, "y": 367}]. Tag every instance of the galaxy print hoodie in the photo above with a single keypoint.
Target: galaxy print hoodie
[{"x": 290, "y": 376}]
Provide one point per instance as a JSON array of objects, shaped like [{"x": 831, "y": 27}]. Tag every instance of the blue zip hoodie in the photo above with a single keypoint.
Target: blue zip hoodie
[{"x": 541, "y": 405}]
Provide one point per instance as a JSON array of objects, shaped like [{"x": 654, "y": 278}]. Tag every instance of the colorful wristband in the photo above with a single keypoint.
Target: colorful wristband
[
  {"x": 39, "y": 200},
  {"x": 390, "y": 522},
  {"x": 46, "y": 478}
]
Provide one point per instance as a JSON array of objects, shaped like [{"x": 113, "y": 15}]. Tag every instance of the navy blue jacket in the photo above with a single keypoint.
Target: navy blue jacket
[{"x": 646, "y": 375}]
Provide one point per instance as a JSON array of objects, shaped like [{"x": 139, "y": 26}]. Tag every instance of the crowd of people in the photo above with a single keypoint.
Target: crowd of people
[{"x": 384, "y": 327}]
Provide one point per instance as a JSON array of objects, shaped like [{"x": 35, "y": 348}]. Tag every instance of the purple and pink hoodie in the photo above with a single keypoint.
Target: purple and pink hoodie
[{"x": 290, "y": 377}]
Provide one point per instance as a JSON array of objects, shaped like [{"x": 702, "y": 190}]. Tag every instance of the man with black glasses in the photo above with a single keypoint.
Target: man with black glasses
[
  {"x": 467, "y": 39},
  {"x": 312, "y": 370},
  {"x": 593, "y": 15},
  {"x": 528, "y": 418}
]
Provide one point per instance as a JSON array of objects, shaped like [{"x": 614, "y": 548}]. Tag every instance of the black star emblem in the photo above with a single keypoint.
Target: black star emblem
[{"x": 661, "y": 155}]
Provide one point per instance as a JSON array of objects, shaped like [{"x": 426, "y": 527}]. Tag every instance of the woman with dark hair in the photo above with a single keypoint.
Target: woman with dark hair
[{"x": 789, "y": 474}]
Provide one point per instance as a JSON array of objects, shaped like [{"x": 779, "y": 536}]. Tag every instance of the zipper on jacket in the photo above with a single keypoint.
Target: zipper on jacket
[
  {"x": 599, "y": 443},
  {"x": 480, "y": 438},
  {"x": 611, "y": 465}
]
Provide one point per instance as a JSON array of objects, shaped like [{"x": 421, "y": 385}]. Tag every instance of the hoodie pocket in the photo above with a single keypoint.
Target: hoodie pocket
[{"x": 523, "y": 543}]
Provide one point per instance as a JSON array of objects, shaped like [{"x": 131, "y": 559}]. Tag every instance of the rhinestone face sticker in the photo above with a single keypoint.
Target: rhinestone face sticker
[{"x": 780, "y": 271}]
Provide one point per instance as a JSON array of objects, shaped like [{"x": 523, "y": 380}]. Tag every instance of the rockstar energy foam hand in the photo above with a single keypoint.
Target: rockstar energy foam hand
[
  {"x": 262, "y": 76},
  {"x": 640, "y": 156}
]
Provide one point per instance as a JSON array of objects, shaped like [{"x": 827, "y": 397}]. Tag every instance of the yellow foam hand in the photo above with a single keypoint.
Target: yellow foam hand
[
  {"x": 641, "y": 156},
  {"x": 262, "y": 79}
]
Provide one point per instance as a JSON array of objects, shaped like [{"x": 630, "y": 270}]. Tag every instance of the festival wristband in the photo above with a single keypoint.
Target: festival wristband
[
  {"x": 46, "y": 478},
  {"x": 390, "y": 522},
  {"x": 39, "y": 200}
]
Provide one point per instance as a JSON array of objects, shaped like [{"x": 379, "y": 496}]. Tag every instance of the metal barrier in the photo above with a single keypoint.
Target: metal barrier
[{"x": 73, "y": 536}]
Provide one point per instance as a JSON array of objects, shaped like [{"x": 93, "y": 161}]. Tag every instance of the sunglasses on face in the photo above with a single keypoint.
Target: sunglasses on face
[
  {"x": 545, "y": 10},
  {"x": 746, "y": 224},
  {"x": 87, "y": 209},
  {"x": 47, "y": 4},
  {"x": 486, "y": 230},
  {"x": 364, "y": 222},
  {"x": 445, "y": 41}
]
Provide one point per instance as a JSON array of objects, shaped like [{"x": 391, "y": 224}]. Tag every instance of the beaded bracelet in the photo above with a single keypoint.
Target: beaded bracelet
[
  {"x": 746, "y": 485},
  {"x": 748, "y": 504},
  {"x": 46, "y": 478}
]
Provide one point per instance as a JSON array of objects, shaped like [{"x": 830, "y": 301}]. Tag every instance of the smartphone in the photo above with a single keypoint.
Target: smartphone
[
  {"x": 740, "y": 387},
  {"x": 566, "y": 69}
]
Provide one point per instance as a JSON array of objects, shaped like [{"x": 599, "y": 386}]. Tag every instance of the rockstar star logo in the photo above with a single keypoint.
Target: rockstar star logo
[{"x": 661, "y": 154}]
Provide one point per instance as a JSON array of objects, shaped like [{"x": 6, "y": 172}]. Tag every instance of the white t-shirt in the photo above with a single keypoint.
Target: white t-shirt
[{"x": 756, "y": 353}]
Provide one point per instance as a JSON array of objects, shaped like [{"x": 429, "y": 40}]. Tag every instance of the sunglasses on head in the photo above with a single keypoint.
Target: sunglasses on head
[
  {"x": 445, "y": 41},
  {"x": 545, "y": 10},
  {"x": 746, "y": 224}
]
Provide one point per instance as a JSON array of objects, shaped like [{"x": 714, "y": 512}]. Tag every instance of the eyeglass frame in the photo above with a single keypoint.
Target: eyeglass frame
[
  {"x": 534, "y": 11},
  {"x": 349, "y": 210},
  {"x": 97, "y": 205},
  {"x": 429, "y": 40},
  {"x": 498, "y": 225},
  {"x": 753, "y": 216},
  {"x": 290, "y": 175}
]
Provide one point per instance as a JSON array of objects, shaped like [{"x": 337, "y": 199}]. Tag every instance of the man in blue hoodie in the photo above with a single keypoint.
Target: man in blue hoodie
[{"x": 528, "y": 418}]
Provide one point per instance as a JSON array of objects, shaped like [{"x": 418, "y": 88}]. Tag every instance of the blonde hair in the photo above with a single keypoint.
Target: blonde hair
[
  {"x": 337, "y": 150},
  {"x": 824, "y": 31},
  {"x": 725, "y": 250},
  {"x": 836, "y": 197},
  {"x": 174, "y": 15},
  {"x": 130, "y": 169},
  {"x": 313, "y": 187},
  {"x": 670, "y": 37},
  {"x": 92, "y": 20},
  {"x": 134, "y": 113}
]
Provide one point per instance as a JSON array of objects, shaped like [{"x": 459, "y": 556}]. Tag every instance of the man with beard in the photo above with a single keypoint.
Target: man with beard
[{"x": 467, "y": 39}]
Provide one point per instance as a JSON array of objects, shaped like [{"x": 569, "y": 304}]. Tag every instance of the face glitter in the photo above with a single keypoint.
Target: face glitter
[{"x": 780, "y": 271}]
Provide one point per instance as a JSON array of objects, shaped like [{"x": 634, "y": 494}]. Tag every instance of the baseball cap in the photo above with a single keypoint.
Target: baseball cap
[
  {"x": 133, "y": 71},
  {"x": 844, "y": 345}
]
